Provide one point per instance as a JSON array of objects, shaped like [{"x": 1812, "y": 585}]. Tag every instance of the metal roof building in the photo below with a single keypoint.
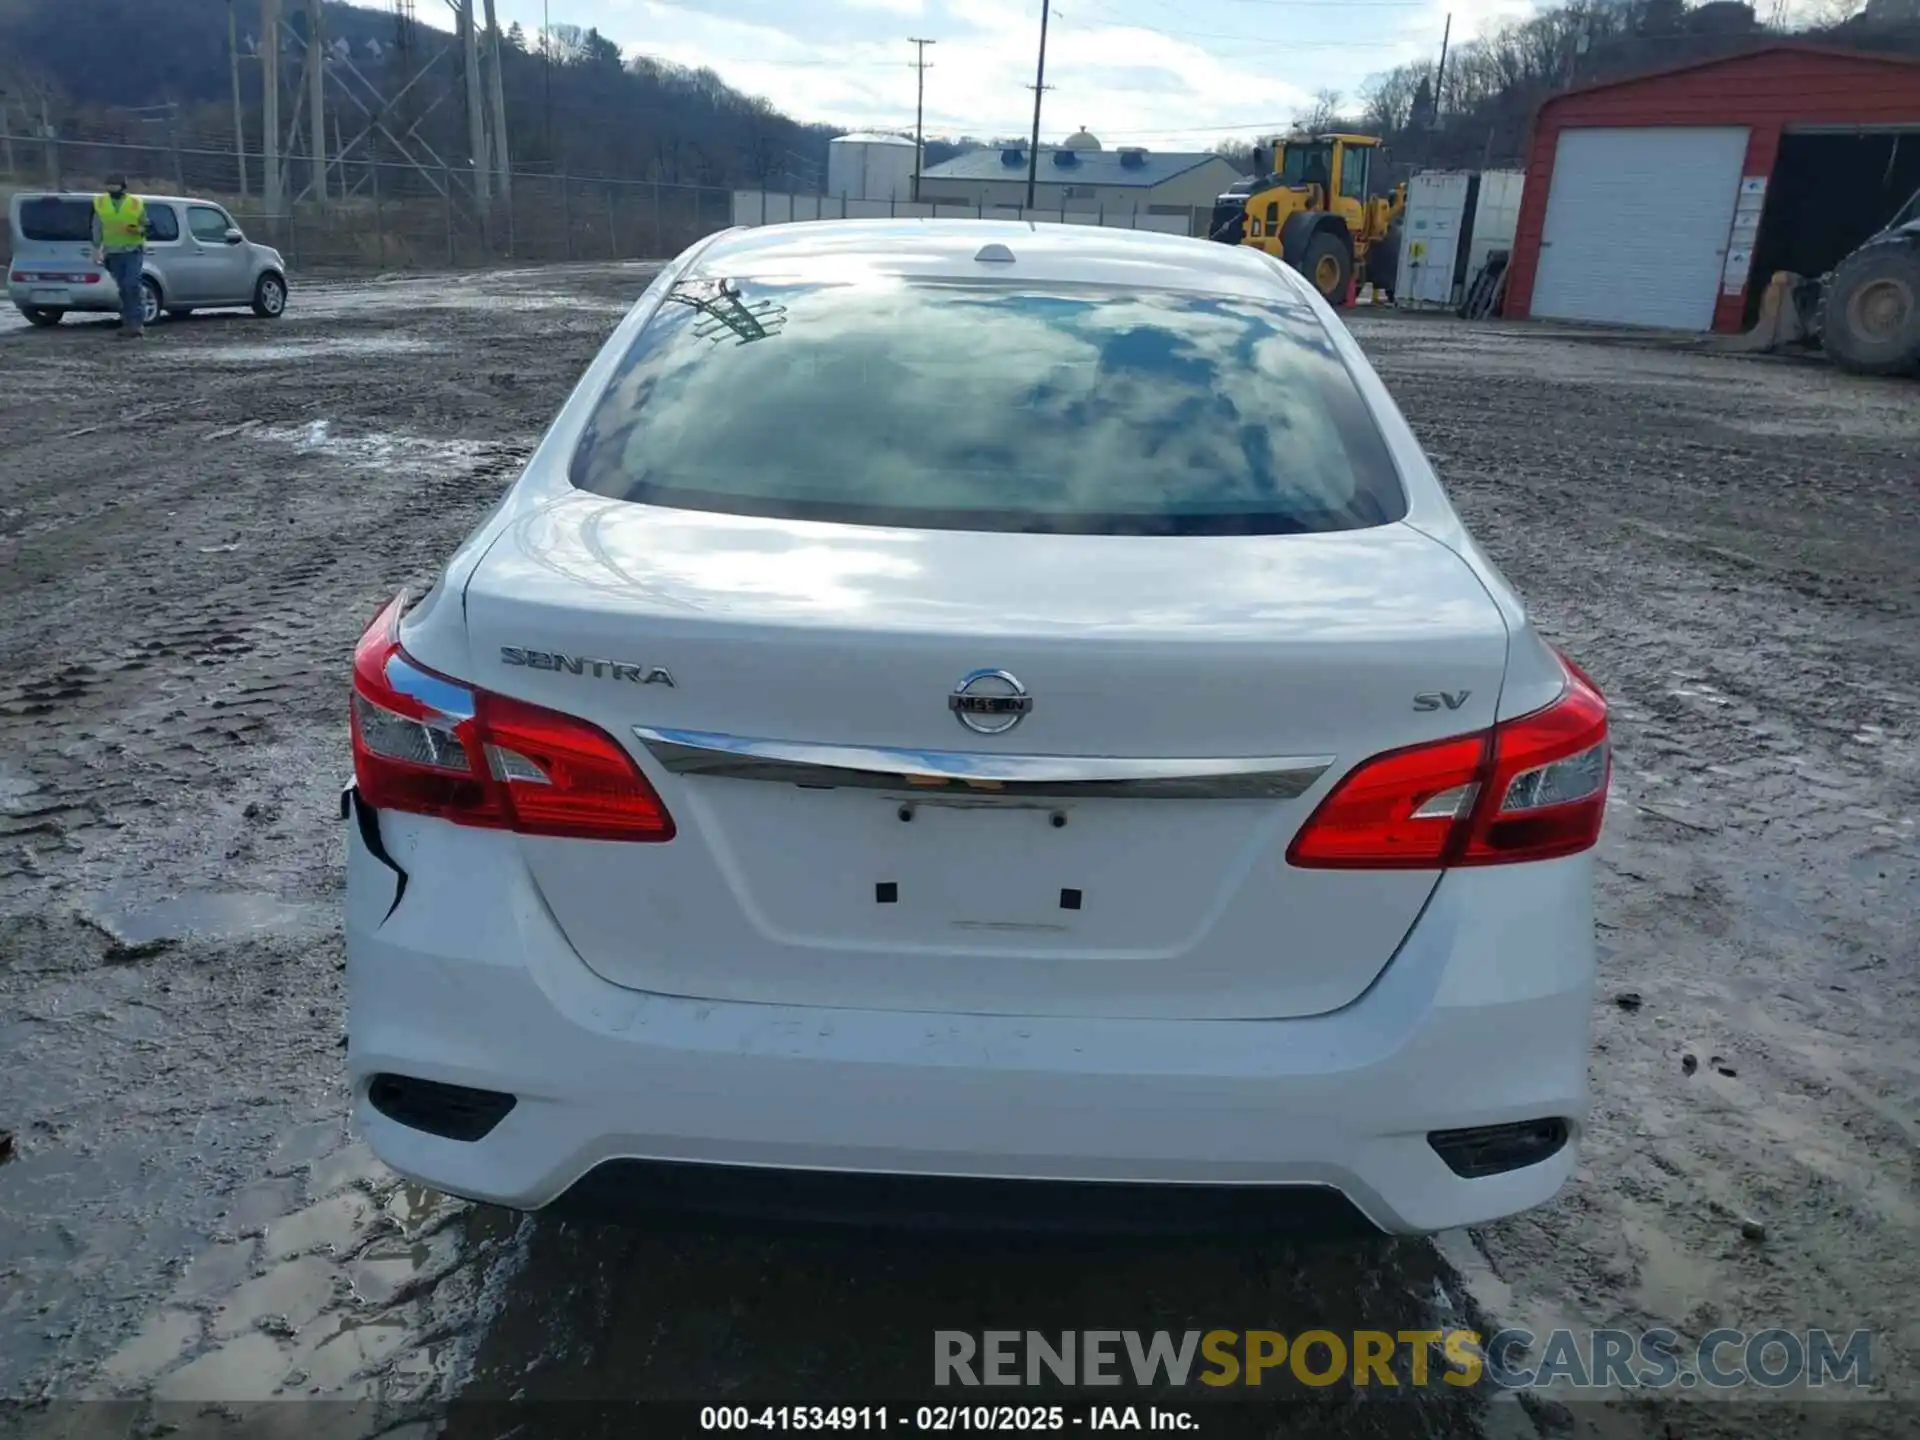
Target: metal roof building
[
  {"x": 1081, "y": 177},
  {"x": 1669, "y": 199}
]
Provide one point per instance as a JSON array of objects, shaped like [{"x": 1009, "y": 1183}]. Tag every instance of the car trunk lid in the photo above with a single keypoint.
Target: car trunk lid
[{"x": 846, "y": 838}]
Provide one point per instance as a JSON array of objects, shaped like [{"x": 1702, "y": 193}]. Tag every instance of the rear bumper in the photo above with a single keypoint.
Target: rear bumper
[
  {"x": 758, "y": 1196},
  {"x": 1482, "y": 1018},
  {"x": 103, "y": 294}
]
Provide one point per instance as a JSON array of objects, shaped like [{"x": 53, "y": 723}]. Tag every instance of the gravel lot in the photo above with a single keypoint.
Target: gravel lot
[{"x": 192, "y": 533}]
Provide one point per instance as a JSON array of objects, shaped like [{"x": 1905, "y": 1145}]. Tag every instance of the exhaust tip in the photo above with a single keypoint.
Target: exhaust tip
[
  {"x": 1484, "y": 1150},
  {"x": 452, "y": 1112}
]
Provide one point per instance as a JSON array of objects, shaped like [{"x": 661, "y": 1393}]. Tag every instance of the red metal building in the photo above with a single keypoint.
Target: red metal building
[{"x": 1668, "y": 199}]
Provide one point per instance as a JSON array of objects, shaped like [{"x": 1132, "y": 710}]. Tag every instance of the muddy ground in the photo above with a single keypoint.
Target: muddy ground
[{"x": 194, "y": 529}]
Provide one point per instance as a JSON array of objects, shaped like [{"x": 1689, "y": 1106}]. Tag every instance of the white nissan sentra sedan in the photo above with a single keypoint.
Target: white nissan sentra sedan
[{"x": 972, "y": 722}]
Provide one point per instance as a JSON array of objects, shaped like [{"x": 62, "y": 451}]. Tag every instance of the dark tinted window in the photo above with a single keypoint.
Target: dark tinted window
[
  {"x": 991, "y": 407},
  {"x": 1354, "y": 163},
  {"x": 163, "y": 224},
  {"x": 209, "y": 224},
  {"x": 56, "y": 219},
  {"x": 1308, "y": 165}
]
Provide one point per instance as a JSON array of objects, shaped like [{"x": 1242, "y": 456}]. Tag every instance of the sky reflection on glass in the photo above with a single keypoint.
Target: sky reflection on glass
[{"x": 991, "y": 407}]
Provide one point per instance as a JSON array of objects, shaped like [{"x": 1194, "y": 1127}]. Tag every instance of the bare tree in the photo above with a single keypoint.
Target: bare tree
[
  {"x": 1321, "y": 113},
  {"x": 1239, "y": 152},
  {"x": 1387, "y": 99}
]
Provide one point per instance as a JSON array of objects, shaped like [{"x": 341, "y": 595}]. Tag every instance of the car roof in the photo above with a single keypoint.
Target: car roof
[
  {"x": 827, "y": 250},
  {"x": 87, "y": 196}
]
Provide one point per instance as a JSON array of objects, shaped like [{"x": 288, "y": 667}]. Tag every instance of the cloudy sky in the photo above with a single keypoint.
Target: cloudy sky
[{"x": 1162, "y": 73}]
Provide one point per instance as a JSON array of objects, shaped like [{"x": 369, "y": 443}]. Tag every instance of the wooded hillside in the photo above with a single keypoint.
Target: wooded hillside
[
  {"x": 1480, "y": 110},
  {"x": 573, "y": 103},
  {"x": 156, "y": 72}
]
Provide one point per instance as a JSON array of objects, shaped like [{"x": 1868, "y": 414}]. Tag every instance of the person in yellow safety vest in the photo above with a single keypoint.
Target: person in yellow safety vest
[{"x": 120, "y": 244}]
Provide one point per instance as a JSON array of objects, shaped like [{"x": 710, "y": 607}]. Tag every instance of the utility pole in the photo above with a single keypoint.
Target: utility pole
[
  {"x": 317, "y": 100},
  {"x": 1440, "y": 80},
  {"x": 1039, "y": 89},
  {"x": 476, "y": 105},
  {"x": 497, "y": 93},
  {"x": 919, "y": 111},
  {"x": 173, "y": 144},
  {"x": 239, "y": 115},
  {"x": 270, "y": 105},
  {"x": 53, "y": 144},
  {"x": 546, "y": 79}
]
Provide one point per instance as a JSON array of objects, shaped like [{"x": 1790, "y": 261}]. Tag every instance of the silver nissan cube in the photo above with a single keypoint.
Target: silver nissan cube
[{"x": 197, "y": 259}]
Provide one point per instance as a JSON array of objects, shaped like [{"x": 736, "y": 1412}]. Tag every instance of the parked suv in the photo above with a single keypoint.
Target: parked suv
[{"x": 197, "y": 259}]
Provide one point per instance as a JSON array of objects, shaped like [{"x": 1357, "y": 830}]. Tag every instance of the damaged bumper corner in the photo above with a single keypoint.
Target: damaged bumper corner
[{"x": 354, "y": 807}]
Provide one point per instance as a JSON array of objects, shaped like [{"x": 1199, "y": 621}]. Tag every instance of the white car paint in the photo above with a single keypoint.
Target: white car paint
[{"x": 736, "y": 995}]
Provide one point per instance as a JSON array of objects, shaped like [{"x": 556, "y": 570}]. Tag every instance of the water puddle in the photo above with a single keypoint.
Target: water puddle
[
  {"x": 535, "y": 303},
  {"x": 394, "y": 1264},
  {"x": 382, "y": 451},
  {"x": 313, "y": 349},
  {"x": 340, "y": 1348},
  {"x": 1693, "y": 688},
  {"x": 14, "y": 788},
  {"x": 282, "y": 1302},
  {"x": 213, "y": 915},
  {"x": 412, "y": 1205}
]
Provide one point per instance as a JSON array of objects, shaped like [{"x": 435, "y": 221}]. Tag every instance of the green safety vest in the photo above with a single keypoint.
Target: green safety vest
[{"x": 123, "y": 226}]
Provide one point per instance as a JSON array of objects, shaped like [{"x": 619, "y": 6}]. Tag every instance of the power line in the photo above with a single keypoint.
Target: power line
[
  {"x": 1204, "y": 129},
  {"x": 1180, "y": 16},
  {"x": 1325, "y": 4},
  {"x": 1259, "y": 41},
  {"x": 839, "y": 63}
]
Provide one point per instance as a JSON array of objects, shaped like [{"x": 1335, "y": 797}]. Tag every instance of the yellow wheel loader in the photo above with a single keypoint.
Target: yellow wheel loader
[
  {"x": 1869, "y": 318},
  {"x": 1865, "y": 312},
  {"x": 1316, "y": 210}
]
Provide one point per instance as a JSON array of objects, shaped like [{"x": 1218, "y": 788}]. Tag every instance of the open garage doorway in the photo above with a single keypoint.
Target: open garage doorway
[{"x": 1830, "y": 190}]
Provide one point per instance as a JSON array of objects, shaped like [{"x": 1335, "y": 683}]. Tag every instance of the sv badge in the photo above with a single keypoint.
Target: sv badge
[{"x": 1435, "y": 699}]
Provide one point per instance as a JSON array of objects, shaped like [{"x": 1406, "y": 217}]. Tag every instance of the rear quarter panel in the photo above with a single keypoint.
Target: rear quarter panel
[{"x": 436, "y": 634}]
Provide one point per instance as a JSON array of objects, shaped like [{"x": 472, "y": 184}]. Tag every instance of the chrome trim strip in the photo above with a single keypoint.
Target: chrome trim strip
[
  {"x": 872, "y": 767},
  {"x": 453, "y": 701}
]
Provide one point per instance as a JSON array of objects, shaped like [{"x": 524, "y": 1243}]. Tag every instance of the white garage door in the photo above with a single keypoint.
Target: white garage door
[{"x": 1637, "y": 226}]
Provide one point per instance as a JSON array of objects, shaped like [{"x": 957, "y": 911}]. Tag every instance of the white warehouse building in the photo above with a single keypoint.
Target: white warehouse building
[
  {"x": 870, "y": 166},
  {"x": 1082, "y": 176}
]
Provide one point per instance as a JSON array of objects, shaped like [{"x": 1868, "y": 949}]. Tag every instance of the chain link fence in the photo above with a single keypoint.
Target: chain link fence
[{"x": 383, "y": 215}]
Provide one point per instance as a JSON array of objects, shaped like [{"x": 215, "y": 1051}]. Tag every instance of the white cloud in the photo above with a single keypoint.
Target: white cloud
[{"x": 1173, "y": 74}]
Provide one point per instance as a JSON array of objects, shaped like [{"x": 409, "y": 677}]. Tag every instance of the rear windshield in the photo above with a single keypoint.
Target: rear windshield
[
  {"x": 990, "y": 407},
  {"x": 56, "y": 219}
]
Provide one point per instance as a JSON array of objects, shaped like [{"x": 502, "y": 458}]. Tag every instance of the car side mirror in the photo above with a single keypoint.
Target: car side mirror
[{"x": 234, "y": 237}]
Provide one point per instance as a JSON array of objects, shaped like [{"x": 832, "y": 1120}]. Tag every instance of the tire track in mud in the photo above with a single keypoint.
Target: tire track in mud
[
  {"x": 245, "y": 592},
  {"x": 172, "y": 725},
  {"x": 1726, "y": 545},
  {"x": 190, "y": 737},
  {"x": 186, "y": 1208}
]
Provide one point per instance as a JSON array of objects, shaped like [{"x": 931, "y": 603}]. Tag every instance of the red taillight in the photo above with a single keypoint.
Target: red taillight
[
  {"x": 428, "y": 745},
  {"x": 1529, "y": 789}
]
